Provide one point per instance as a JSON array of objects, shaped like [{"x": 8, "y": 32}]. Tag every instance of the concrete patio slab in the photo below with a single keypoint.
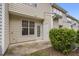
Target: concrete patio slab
[{"x": 27, "y": 47}]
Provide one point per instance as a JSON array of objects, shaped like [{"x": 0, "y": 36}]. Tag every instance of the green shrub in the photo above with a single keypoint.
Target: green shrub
[
  {"x": 77, "y": 37},
  {"x": 40, "y": 53},
  {"x": 62, "y": 39}
]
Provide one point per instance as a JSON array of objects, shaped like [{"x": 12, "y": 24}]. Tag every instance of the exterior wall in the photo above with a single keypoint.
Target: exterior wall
[
  {"x": 75, "y": 26},
  {"x": 1, "y": 28},
  {"x": 4, "y": 28},
  {"x": 57, "y": 11},
  {"x": 62, "y": 20},
  {"x": 56, "y": 23},
  {"x": 68, "y": 23},
  {"x": 41, "y": 11},
  {"x": 47, "y": 25},
  {"x": 78, "y": 26},
  {"x": 16, "y": 29},
  {"x": 23, "y": 8},
  {"x": 72, "y": 22}
]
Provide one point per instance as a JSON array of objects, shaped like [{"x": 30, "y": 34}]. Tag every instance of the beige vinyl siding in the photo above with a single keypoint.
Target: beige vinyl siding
[
  {"x": 64, "y": 18},
  {"x": 61, "y": 21},
  {"x": 16, "y": 29},
  {"x": 0, "y": 28},
  {"x": 75, "y": 27},
  {"x": 42, "y": 11},
  {"x": 30, "y": 10},
  {"x": 25, "y": 9}
]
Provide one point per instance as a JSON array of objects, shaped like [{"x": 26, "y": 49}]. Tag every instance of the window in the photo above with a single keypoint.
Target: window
[
  {"x": 24, "y": 23},
  {"x": 24, "y": 27},
  {"x": 38, "y": 31},
  {"x": 32, "y": 4},
  {"x": 27, "y": 27},
  {"x": 74, "y": 24},
  {"x": 60, "y": 26},
  {"x": 71, "y": 26},
  {"x": 31, "y": 27},
  {"x": 24, "y": 31}
]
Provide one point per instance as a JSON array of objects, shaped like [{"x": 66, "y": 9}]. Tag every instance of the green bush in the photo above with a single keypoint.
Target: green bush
[
  {"x": 62, "y": 39},
  {"x": 40, "y": 53},
  {"x": 77, "y": 37}
]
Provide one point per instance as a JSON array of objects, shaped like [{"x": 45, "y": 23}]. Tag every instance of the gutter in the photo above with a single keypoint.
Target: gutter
[{"x": 54, "y": 5}]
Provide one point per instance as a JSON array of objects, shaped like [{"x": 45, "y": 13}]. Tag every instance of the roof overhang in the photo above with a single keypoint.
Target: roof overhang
[
  {"x": 73, "y": 18},
  {"x": 26, "y": 16},
  {"x": 54, "y": 5}
]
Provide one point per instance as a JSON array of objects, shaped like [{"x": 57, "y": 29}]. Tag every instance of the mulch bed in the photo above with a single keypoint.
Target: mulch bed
[{"x": 52, "y": 52}]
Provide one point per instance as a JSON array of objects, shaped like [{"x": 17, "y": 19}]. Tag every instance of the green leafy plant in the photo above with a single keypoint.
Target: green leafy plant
[
  {"x": 62, "y": 39},
  {"x": 77, "y": 37}
]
